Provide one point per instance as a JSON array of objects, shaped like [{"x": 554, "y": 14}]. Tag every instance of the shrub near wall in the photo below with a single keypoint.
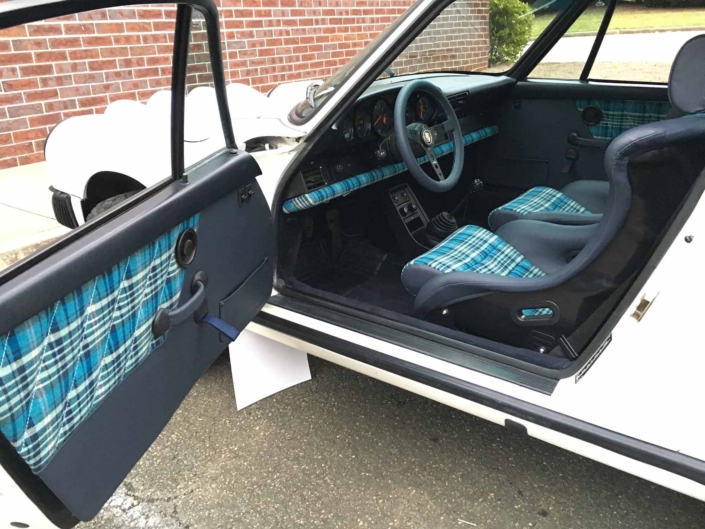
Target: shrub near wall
[{"x": 79, "y": 64}]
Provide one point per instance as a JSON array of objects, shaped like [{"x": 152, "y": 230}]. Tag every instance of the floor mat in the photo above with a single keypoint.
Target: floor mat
[{"x": 363, "y": 273}]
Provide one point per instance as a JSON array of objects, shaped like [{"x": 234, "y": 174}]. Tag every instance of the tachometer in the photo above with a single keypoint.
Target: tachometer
[
  {"x": 363, "y": 125},
  {"x": 424, "y": 109},
  {"x": 346, "y": 128},
  {"x": 382, "y": 118}
]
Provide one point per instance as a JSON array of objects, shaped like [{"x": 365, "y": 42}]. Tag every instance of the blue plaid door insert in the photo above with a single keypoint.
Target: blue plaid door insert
[{"x": 58, "y": 366}]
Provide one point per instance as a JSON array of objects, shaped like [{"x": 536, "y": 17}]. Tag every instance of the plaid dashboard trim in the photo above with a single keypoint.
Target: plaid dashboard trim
[
  {"x": 475, "y": 249},
  {"x": 620, "y": 116},
  {"x": 349, "y": 185},
  {"x": 58, "y": 366},
  {"x": 540, "y": 199}
]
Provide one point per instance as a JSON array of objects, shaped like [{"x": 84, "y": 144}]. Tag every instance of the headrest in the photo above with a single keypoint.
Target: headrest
[{"x": 686, "y": 85}]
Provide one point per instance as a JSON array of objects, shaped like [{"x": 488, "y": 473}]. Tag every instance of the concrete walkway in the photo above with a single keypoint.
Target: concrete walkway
[
  {"x": 26, "y": 218},
  {"x": 630, "y": 47}
]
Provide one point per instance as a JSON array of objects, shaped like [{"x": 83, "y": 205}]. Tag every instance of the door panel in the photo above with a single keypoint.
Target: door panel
[
  {"x": 86, "y": 386},
  {"x": 538, "y": 118}
]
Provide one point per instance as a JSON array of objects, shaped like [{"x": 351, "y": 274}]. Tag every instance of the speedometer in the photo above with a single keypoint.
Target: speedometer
[
  {"x": 346, "y": 128},
  {"x": 363, "y": 125},
  {"x": 424, "y": 109},
  {"x": 382, "y": 118}
]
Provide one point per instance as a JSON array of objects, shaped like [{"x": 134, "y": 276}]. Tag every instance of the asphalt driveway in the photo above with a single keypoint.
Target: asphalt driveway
[{"x": 347, "y": 451}]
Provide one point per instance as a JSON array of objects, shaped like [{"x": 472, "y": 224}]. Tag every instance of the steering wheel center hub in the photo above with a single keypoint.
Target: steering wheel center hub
[{"x": 427, "y": 136}]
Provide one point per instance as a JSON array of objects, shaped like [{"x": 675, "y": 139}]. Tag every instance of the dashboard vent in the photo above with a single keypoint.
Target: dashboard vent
[
  {"x": 313, "y": 178},
  {"x": 458, "y": 101}
]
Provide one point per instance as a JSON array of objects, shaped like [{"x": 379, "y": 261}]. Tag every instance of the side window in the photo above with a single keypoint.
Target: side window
[
  {"x": 84, "y": 119},
  {"x": 643, "y": 39},
  {"x": 566, "y": 60}
]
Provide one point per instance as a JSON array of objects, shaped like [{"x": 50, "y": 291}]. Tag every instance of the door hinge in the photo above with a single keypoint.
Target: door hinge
[{"x": 643, "y": 306}]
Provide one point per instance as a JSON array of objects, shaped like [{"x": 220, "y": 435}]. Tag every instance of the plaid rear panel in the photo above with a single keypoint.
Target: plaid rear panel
[
  {"x": 540, "y": 199},
  {"x": 474, "y": 249},
  {"x": 348, "y": 185},
  {"x": 58, "y": 366},
  {"x": 620, "y": 116}
]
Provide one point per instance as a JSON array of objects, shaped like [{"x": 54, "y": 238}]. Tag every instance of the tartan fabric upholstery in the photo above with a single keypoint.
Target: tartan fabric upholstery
[
  {"x": 541, "y": 199},
  {"x": 619, "y": 116},
  {"x": 58, "y": 366},
  {"x": 475, "y": 249},
  {"x": 348, "y": 185}
]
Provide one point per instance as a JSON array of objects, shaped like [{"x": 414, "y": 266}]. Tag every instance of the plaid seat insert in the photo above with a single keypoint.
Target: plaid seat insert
[
  {"x": 475, "y": 249},
  {"x": 542, "y": 199}
]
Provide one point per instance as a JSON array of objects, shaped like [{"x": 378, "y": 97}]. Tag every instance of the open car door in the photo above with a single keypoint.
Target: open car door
[{"x": 104, "y": 332}]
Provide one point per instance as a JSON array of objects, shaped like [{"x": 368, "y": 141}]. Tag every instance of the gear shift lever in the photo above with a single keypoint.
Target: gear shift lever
[{"x": 440, "y": 227}]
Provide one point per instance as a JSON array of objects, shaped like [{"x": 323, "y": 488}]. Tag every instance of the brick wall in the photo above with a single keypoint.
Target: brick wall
[{"x": 79, "y": 64}]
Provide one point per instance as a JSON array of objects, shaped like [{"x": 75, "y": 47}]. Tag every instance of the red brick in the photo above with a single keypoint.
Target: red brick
[
  {"x": 97, "y": 42},
  {"x": 89, "y": 78},
  {"x": 138, "y": 27},
  {"x": 6, "y": 139},
  {"x": 29, "y": 44},
  {"x": 51, "y": 56},
  {"x": 8, "y": 162},
  {"x": 94, "y": 101},
  {"x": 65, "y": 43},
  {"x": 43, "y": 30},
  {"x": 149, "y": 14},
  {"x": 115, "y": 51},
  {"x": 20, "y": 111},
  {"x": 70, "y": 67},
  {"x": 117, "y": 13},
  {"x": 41, "y": 95},
  {"x": 74, "y": 91},
  {"x": 127, "y": 40},
  {"x": 16, "y": 31},
  {"x": 105, "y": 88},
  {"x": 45, "y": 120},
  {"x": 16, "y": 150},
  {"x": 143, "y": 73},
  {"x": 139, "y": 51},
  {"x": 29, "y": 135},
  {"x": 94, "y": 66},
  {"x": 85, "y": 28},
  {"x": 60, "y": 105},
  {"x": 110, "y": 27},
  {"x": 20, "y": 84},
  {"x": 136, "y": 62},
  {"x": 11, "y": 125},
  {"x": 80, "y": 112},
  {"x": 55, "y": 81},
  {"x": 9, "y": 72},
  {"x": 9, "y": 59},
  {"x": 100, "y": 14},
  {"x": 118, "y": 75}
]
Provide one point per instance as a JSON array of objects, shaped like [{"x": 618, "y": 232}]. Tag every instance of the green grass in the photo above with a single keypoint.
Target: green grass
[{"x": 629, "y": 17}]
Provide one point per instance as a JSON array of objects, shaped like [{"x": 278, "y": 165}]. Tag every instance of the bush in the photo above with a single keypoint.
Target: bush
[{"x": 510, "y": 30}]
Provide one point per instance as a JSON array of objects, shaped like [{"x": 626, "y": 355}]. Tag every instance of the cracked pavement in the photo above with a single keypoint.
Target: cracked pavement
[{"x": 344, "y": 450}]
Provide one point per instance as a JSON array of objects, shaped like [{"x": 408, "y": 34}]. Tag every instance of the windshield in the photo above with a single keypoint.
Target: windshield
[
  {"x": 304, "y": 109},
  {"x": 462, "y": 38}
]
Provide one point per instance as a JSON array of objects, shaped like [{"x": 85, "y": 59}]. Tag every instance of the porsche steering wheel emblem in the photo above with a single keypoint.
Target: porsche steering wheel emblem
[{"x": 427, "y": 137}]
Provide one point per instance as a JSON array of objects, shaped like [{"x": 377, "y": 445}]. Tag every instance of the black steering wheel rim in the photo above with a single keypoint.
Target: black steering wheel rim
[{"x": 427, "y": 138}]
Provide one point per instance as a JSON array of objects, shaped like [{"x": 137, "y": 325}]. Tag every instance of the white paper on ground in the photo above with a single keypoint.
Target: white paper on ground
[{"x": 262, "y": 367}]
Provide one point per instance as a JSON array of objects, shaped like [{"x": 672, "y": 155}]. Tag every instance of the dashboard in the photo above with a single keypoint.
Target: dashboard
[{"x": 363, "y": 139}]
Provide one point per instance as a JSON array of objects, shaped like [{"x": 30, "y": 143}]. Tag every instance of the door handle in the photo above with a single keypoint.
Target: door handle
[
  {"x": 574, "y": 139},
  {"x": 165, "y": 318}
]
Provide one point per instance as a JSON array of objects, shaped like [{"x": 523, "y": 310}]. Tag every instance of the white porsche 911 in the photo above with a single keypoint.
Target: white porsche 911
[{"x": 519, "y": 247}]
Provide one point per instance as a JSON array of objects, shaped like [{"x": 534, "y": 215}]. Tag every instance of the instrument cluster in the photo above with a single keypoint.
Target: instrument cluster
[{"x": 376, "y": 119}]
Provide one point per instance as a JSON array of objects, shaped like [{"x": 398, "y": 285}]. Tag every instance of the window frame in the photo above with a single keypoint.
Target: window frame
[{"x": 12, "y": 15}]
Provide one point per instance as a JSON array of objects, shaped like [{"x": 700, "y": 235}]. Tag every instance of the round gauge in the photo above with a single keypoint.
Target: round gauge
[
  {"x": 410, "y": 114},
  {"x": 424, "y": 109},
  {"x": 382, "y": 118},
  {"x": 346, "y": 127},
  {"x": 363, "y": 125}
]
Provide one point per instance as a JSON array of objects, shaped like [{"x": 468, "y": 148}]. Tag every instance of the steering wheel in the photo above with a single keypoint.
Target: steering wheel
[{"x": 428, "y": 137}]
